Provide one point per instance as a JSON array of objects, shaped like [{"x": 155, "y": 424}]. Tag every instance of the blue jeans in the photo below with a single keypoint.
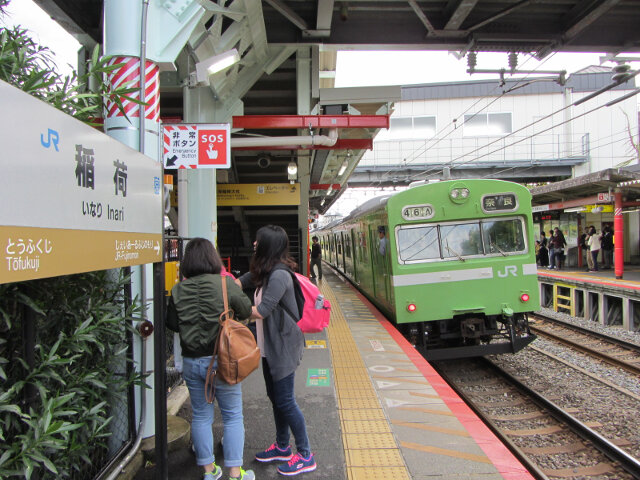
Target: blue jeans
[
  {"x": 286, "y": 412},
  {"x": 229, "y": 399}
]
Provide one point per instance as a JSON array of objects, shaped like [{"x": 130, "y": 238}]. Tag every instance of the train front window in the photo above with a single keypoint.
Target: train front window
[
  {"x": 460, "y": 240},
  {"x": 416, "y": 244},
  {"x": 503, "y": 236}
]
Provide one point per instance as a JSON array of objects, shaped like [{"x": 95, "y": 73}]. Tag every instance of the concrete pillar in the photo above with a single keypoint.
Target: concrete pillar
[{"x": 304, "y": 90}]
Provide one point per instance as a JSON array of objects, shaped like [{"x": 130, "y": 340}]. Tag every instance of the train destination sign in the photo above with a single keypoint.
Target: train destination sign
[
  {"x": 75, "y": 200},
  {"x": 418, "y": 212},
  {"x": 500, "y": 202}
]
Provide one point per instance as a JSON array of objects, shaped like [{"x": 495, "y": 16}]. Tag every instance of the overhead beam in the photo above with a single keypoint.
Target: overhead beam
[
  {"x": 460, "y": 14},
  {"x": 588, "y": 19},
  {"x": 324, "y": 14},
  {"x": 288, "y": 13},
  {"x": 423, "y": 18},
  {"x": 341, "y": 144},
  {"x": 310, "y": 121}
]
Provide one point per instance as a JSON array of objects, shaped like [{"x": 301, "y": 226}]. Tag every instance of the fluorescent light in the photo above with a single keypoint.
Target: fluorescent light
[
  {"x": 215, "y": 64},
  {"x": 330, "y": 189},
  {"x": 343, "y": 167}
]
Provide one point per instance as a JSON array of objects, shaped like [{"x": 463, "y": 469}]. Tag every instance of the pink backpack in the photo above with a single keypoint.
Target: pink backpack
[{"x": 316, "y": 310}]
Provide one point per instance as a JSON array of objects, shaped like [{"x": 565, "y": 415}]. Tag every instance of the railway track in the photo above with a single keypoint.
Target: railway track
[
  {"x": 605, "y": 348},
  {"x": 555, "y": 436}
]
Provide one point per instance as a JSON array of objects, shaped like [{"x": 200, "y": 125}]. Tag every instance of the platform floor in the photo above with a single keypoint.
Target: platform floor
[{"x": 374, "y": 409}]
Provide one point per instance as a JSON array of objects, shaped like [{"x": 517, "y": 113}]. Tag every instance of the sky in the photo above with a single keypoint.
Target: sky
[{"x": 354, "y": 68}]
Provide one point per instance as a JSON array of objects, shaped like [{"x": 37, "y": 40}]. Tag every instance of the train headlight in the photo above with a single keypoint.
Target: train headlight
[
  {"x": 524, "y": 297},
  {"x": 459, "y": 193},
  {"x": 411, "y": 307}
]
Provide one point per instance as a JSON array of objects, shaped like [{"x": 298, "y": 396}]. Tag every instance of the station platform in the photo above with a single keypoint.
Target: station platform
[
  {"x": 630, "y": 280},
  {"x": 597, "y": 296},
  {"x": 375, "y": 409}
]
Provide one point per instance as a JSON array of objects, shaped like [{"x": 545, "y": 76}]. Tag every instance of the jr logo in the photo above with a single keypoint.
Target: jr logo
[
  {"x": 509, "y": 270},
  {"x": 52, "y": 137}
]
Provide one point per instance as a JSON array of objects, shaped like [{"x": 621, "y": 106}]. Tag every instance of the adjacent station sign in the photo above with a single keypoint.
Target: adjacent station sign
[
  {"x": 74, "y": 199},
  {"x": 196, "y": 146},
  {"x": 249, "y": 194}
]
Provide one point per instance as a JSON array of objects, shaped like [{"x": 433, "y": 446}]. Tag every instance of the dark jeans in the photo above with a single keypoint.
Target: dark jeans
[
  {"x": 607, "y": 258},
  {"x": 594, "y": 256},
  {"x": 286, "y": 412},
  {"x": 318, "y": 263}
]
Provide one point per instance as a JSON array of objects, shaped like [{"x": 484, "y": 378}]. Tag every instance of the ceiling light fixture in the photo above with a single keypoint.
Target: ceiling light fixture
[
  {"x": 292, "y": 172},
  {"x": 343, "y": 167},
  {"x": 216, "y": 64},
  {"x": 329, "y": 190}
]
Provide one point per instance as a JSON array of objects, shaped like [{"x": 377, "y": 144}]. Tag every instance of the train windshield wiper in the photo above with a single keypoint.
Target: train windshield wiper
[
  {"x": 499, "y": 249},
  {"x": 454, "y": 252}
]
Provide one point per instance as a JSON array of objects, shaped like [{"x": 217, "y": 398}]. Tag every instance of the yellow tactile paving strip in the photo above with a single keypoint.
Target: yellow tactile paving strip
[{"x": 371, "y": 451}]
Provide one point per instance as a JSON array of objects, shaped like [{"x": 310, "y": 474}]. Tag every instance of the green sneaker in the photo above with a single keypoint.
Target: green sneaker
[
  {"x": 214, "y": 475},
  {"x": 245, "y": 475}
]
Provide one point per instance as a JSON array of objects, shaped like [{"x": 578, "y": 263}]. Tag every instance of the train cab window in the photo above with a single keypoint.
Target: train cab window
[
  {"x": 457, "y": 241},
  {"x": 420, "y": 243},
  {"x": 460, "y": 240},
  {"x": 503, "y": 236}
]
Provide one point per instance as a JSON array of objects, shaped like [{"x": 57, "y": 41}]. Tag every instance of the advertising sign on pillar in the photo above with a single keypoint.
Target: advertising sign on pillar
[{"x": 197, "y": 146}]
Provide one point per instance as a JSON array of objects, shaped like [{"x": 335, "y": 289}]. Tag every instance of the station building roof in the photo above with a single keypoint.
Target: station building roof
[{"x": 584, "y": 190}]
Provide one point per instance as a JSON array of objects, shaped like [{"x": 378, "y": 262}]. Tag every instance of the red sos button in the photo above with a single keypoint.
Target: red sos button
[{"x": 214, "y": 147}]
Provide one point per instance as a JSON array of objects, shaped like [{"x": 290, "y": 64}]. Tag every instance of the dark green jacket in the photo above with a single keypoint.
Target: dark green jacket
[{"x": 194, "y": 308}]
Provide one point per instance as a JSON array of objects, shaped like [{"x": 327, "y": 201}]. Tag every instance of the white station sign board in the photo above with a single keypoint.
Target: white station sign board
[
  {"x": 73, "y": 199},
  {"x": 202, "y": 145}
]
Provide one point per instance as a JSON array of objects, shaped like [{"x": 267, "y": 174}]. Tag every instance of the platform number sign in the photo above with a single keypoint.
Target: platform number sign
[{"x": 502, "y": 202}]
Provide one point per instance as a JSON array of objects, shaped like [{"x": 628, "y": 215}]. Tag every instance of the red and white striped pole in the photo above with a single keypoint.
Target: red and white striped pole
[
  {"x": 618, "y": 236},
  {"x": 129, "y": 76}
]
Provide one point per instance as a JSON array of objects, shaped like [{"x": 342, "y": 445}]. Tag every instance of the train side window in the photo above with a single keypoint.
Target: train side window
[{"x": 421, "y": 243}]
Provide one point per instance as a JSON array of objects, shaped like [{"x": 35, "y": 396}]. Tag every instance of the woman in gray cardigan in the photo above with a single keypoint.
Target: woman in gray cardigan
[{"x": 281, "y": 343}]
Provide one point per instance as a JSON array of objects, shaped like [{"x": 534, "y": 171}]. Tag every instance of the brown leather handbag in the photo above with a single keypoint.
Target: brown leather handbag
[{"x": 236, "y": 349}]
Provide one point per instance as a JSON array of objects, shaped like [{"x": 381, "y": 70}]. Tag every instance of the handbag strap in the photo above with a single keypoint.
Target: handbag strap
[{"x": 210, "y": 379}]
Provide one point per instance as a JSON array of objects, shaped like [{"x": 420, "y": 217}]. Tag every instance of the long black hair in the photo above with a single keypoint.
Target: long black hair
[
  {"x": 200, "y": 256},
  {"x": 272, "y": 247}
]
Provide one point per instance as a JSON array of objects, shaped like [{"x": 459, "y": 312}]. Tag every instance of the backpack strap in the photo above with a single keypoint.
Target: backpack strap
[
  {"x": 211, "y": 377},
  {"x": 282, "y": 266}
]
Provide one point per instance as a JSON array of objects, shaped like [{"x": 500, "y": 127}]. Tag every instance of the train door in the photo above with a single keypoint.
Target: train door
[
  {"x": 382, "y": 265},
  {"x": 379, "y": 264},
  {"x": 355, "y": 259}
]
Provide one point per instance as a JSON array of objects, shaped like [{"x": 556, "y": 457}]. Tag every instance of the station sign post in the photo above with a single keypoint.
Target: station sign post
[{"x": 74, "y": 199}]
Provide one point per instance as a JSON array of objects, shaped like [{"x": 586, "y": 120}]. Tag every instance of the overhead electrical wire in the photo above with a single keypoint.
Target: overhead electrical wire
[{"x": 454, "y": 126}]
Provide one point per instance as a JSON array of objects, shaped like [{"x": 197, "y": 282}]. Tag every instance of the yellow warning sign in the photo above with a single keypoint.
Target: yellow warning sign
[
  {"x": 251, "y": 194},
  {"x": 316, "y": 343}
]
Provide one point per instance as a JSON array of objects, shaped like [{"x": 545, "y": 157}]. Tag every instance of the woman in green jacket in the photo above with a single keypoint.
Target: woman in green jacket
[{"x": 194, "y": 308}]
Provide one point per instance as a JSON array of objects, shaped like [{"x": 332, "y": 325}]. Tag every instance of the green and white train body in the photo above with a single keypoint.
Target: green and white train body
[{"x": 455, "y": 269}]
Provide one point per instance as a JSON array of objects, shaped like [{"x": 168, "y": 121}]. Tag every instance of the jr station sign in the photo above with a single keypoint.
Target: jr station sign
[{"x": 74, "y": 199}]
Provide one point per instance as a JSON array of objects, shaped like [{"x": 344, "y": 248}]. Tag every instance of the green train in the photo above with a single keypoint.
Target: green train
[{"x": 451, "y": 263}]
